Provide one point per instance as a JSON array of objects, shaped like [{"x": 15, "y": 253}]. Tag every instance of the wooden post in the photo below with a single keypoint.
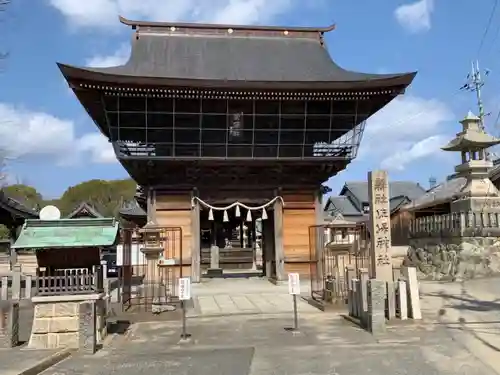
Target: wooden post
[
  {"x": 195, "y": 242},
  {"x": 319, "y": 234},
  {"x": 278, "y": 240}
]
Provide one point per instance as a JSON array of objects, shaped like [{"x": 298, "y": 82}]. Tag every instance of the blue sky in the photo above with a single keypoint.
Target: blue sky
[{"x": 52, "y": 144}]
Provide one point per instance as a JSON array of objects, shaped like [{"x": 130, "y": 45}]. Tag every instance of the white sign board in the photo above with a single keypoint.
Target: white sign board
[
  {"x": 184, "y": 288},
  {"x": 293, "y": 283}
]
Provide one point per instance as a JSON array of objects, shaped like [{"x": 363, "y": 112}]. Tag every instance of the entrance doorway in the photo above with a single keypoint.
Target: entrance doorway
[{"x": 241, "y": 242}]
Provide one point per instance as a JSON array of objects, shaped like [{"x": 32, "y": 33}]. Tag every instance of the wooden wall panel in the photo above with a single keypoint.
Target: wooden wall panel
[
  {"x": 173, "y": 201},
  {"x": 298, "y": 200},
  {"x": 174, "y": 211},
  {"x": 302, "y": 268},
  {"x": 296, "y": 223}
]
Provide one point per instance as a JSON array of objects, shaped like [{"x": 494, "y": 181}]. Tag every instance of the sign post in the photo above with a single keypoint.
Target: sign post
[
  {"x": 294, "y": 290},
  {"x": 184, "y": 295}
]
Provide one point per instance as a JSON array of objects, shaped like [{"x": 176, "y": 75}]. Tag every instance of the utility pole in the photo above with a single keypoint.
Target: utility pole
[{"x": 475, "y": 83}]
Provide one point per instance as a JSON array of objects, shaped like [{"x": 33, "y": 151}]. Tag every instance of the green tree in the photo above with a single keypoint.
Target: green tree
[
  {"x": 26, "y": 195},
  {"x": 106, "y": 196}
]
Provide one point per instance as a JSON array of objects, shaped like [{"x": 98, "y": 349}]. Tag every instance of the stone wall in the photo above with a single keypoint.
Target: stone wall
[
  {"x": 454, "y": 258},
  {"x": 56, "y": 324}
]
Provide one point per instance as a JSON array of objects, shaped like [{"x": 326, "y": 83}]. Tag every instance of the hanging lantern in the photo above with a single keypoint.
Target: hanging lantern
[
  {"x": 264, "y": 214},
  {"x": 249, "y": 215},
  {"x": 237, "y": 212},
  {"x": 226, "y": 218},
  {"x": 211, "y": 215}
]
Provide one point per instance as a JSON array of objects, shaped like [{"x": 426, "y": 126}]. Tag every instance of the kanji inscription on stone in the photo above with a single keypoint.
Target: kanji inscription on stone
[{"x": 380, "y": 222}]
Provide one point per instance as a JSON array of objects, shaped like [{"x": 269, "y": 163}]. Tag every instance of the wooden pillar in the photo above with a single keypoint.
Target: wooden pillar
[
  {"x": 319, "y": 234},
  {"x": 267, "y": 246},
  {"x": 195, "y": 242},
  {"x": 278, "y": 240}
]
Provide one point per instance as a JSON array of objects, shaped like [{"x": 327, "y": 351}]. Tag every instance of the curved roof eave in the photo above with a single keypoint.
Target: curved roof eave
[
  {"x": 72, "y": 73},
  {"x": 205, "y": 26}
]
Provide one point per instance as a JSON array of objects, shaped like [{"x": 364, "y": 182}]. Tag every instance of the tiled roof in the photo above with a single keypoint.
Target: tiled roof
[
  {"x": 17, "y": 209},
  {"x": 409, "y": 189},
  {"x": 441, "y": 193},
  {"x": 85, "y": 209},
  {"x": 343, "y": 205},
  {"x": 133, "y": 210}
]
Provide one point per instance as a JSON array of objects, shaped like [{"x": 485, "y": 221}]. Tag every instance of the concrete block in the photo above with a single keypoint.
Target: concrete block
[
  {"x": 41, "y": 325},
  {"x": 66, "y": 309},
  {"x": 64, "y": 324},
  {"x": 44, "y": 310}
]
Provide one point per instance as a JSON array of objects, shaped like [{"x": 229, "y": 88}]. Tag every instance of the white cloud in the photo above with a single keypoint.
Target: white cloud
[
  {"x": 407, "y": 129},
  {"x": 120, "y": 57},
  {"x": 104, "y": 13},
  {"x": 421, "y": 149},
  {"x": 415, "y": 17},
  {"x": 25, "y": 133}
]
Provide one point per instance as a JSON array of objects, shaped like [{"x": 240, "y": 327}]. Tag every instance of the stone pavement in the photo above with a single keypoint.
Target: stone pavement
[
  {"x": 216, "y": 297},
  {"x": 469, "y": 312},
  {"x": 259, "y": 345},
  {"x": 15, "y": 361}
]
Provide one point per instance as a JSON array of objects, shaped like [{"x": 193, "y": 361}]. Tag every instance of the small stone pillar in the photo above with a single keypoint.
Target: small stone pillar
[
  {"x": 413, "y": 294},
  {"x": 401, "y": 300},
  {"x": 363, "y": 294},
  {"x": 9, "y": 324},
  {"x": 87, "y": 328},
  {"x": 391, "y": 300},
  {"x": 376, "y": 306}
]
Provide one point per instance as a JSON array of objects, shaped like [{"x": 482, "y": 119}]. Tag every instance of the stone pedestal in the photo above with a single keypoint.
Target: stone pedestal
[
  {"x": 56, "y": 321},
  {"x": 214, "y": 269}
]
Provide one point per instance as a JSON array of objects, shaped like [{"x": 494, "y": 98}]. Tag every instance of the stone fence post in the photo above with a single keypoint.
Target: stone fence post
[
  {"x": 376, "y": 306},
  {"x": 87, "y": 332},
  {"x": 9, "y": 324}
]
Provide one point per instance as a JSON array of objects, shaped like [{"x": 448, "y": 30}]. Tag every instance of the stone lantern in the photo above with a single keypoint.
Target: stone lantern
[
  {"x": 153, "y": 247},
  {"x": 478, "y": 194}
]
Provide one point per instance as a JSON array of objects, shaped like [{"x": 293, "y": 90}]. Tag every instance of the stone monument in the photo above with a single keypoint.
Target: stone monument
[{"x": 380, "y": 226}]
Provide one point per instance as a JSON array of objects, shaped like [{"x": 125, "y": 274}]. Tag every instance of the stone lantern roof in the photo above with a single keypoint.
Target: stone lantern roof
[{"x": 472, "y": 137}]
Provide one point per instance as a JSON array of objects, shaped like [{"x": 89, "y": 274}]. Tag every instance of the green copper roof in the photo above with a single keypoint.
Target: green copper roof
[{"x": 46, "y": 234}]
